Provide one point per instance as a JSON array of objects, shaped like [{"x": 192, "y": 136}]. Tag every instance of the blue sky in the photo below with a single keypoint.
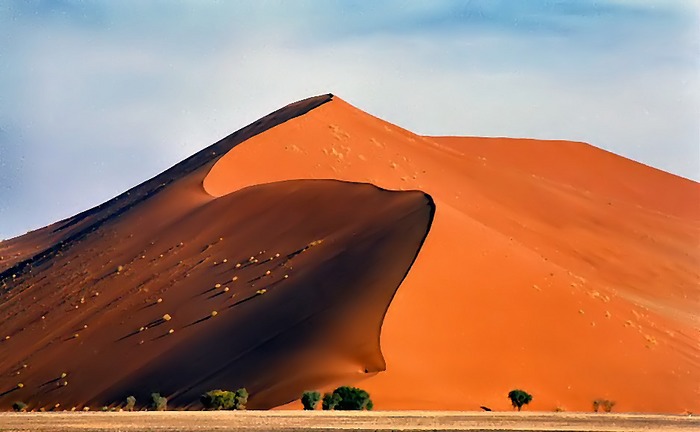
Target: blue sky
[{"x": 98, "y": 96}]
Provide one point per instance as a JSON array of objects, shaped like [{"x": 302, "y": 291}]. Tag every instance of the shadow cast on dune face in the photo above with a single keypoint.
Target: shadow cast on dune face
[{"x": 278, "y": 288}]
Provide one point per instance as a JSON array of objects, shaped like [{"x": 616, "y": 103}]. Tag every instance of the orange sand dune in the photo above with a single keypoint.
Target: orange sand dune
[
  {"x": 167, "y": 288},
  {"x": 551, "y": 266},
  {"x": 251, "y": 289}
]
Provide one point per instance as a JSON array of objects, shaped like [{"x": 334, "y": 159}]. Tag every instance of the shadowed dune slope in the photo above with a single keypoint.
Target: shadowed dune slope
[
  {"x": 551, "y": 266},
  {"x": 277, "y": 288}
]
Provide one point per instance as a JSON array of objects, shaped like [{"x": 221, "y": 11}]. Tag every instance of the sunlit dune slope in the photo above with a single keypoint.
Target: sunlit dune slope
[{"x": 551, "y": 266}]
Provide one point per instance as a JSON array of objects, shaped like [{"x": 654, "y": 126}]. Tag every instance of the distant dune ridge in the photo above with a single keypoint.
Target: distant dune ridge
[{"x": 322, "y": 246}]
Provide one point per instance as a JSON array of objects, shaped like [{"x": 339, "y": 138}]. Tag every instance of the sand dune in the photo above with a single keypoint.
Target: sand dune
[{"x": 552, "y": 266}]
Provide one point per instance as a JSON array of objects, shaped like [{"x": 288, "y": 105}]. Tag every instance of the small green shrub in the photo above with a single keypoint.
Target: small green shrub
[
  {"x": 130, "y": 403},
  {"x": 19, "y": 406},
  {"x": 241, "y": 399},
  {"x": 330, "y": 401},
  {"x": 519, "y": 398},
  {"x": 225, "y": 400},
  {"x": 310, "y": 399},
  {"x": 158, "y": 402},
  {"x": 218, "y": 400}
]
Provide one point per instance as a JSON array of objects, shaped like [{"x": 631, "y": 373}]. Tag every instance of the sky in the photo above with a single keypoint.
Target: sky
[{"x": 98, "y": 96}]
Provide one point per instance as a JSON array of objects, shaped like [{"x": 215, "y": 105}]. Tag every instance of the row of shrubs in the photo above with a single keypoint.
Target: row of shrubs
[
  {"x": 343, "y": 398},
  {"x": 215, "y": 399}
]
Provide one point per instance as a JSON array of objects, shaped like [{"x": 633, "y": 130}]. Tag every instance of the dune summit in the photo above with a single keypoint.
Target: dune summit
[{"x": 322, "y": 246}]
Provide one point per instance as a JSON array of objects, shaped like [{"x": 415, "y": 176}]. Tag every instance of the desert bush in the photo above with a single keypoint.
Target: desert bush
[
  {"x": 518, "y": 398},
  {"x": 130, "y": 403},
  {"x": 310, "y": 399},
  {"x": 218, "y": 400},
  {"x": 19, "y": 406},
  {"x": 607, "y": 405},
  {"x": 353, "y": 399},
  {"x": 158, "y": 402},
  {"x": 241, "y": 399},
  {"x": 225, "y": 400},
  {"x": 330, "y": 401},
  {"x": 348, "y": 399}
]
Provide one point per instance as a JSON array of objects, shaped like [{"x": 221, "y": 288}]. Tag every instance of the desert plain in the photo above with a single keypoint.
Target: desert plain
[{"x": 298, "y": 421}]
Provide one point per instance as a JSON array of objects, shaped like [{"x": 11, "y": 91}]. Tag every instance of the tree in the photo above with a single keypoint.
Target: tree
[
  {"x": 130, "y": 403},
  {"x": 347, "y": 398},
  {"x": 519, "y": 398},
  {"x": 19, "y": 406},
  {"x": 310, "y": 399},
  {"x": 352, "y": 399},
  {"x": 158, "y": 402},
  {"x": 330, "y": 401}
]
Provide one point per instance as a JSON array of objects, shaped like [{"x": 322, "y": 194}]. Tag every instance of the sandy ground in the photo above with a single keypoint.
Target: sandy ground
[{"x": 331, "y": 421}]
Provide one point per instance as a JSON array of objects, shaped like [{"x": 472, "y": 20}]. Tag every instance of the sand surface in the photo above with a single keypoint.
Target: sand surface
[
  {"x": 334, "y": 421},
  {"x": 551, "y": 266}
]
